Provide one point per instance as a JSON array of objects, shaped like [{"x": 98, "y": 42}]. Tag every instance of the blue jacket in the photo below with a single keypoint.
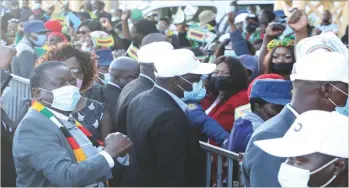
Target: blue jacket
[
  {"x": 242, "y": 132},
  {"x": 239, "y": 44},
  {"x": 260, "y": 169},
  {"x": 207, "y": 125}
]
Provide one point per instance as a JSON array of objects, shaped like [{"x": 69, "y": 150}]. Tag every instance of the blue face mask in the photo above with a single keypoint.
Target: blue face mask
[
  {"x": 106, "y": 79},
  {"x": 41, "y": 40},
  {"x": 197, "y": 94},
  {"x": 343, "y": 110},
  {"x": 65, "y": 98}
]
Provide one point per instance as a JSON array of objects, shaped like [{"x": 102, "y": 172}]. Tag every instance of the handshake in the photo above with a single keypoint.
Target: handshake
[{"x": 117, "y": 144}]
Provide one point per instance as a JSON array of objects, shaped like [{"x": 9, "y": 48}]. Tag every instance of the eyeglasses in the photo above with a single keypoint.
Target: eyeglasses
[{"x": 82, "y": 32}]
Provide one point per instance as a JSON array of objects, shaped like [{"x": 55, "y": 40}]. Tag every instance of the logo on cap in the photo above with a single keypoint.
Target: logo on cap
[
  {"x": 298, "y": 127},
  {"x": 191, "y": 106}
]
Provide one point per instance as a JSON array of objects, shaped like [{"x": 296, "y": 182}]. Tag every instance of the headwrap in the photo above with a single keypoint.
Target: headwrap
[
  {"x": 54, "y": 26},
  {"x": 59, "y": 34},
  {"x": 263, "y": 76},
  {"x": 277, "y": 43}
]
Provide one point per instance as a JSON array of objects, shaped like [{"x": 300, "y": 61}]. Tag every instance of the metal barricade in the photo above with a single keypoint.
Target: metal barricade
[
  {"x": 221, "y": 153},
  {"x": 19, "y": 89}
]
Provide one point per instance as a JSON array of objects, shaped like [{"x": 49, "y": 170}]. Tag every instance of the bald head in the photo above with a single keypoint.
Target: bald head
[
  {"x": 123, "y": 64},
  {"x": 154, "y": 37},
  {"x": 123, "y": 70}
]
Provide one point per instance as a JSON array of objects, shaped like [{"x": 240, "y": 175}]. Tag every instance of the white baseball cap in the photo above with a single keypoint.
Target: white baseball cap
[
  {"x": 240, "y": 18},
  {"x": 321, "y": 66},
  {"x": 313, "y": 131},
  {"x": 326, "y": 42},
  {"x": 148, "y": 53},
  {"x": 179, "y": 62}
]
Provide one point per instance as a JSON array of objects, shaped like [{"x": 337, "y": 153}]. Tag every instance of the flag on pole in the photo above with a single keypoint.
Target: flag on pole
[{"x": 132, "y": 52}]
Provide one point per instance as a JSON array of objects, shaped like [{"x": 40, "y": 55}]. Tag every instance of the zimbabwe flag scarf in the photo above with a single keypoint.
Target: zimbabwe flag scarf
[{"x": 79, "y": 153}]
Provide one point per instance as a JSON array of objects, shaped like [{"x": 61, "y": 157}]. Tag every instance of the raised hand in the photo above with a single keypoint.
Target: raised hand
[
  {"x": 298, "y": 20},
  {"x": 231, "y": 18},
  {"x": 6, "y": 54},
  {"x": 106, "y": 23},
  {"x": 126, "y": 15},
  {"x": 274, "y": 29}
]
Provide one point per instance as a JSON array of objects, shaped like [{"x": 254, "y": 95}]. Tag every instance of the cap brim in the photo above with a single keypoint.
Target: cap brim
[
  {"x": 204, "y": 68},
  {"x": 281, "y": 147},
  {"x": 279, "y": 101}
]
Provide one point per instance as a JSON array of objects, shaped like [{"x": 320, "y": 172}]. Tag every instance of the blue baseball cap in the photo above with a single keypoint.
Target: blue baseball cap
[
  {"x": 272, "y": 91},
  {"x": 34, "y": 26},
  {"x": 104, "y": 57}
]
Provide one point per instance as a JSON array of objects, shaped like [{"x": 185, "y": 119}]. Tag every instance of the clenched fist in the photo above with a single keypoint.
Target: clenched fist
[
  {"x": 117, "y": 144},
  {"x": 298, "y": 20},
  {"x": 274, "y": 29}
]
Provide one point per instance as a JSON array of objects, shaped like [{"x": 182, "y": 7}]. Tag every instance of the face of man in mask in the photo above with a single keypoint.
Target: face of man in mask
[
  {"x": 124, "y": 77},
  {"x": 38, "y": 39},
  {"x": 250, "y": 26},
  {"x": 57, "y": 91},
  {"x": 184, "y": 83},
  {"x": 325, "y": 171}
]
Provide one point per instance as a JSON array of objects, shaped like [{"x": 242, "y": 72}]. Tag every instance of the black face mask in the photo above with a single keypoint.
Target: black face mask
[
  {"x": 223, "y": 83},
  {"x": 282, "y": 68},
  {"x": 251, "y": 27}
]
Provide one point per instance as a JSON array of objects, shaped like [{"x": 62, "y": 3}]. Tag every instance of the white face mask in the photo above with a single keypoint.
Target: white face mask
[
  {"x": 290, "y": 176},
  {"x": 341, "y": 92},
  {"x": 65, "y": 98}
]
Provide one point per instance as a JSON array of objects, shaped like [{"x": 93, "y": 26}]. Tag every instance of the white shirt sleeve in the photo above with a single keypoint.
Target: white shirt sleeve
[
  {"x": 124, "y": 161},
  {"x": 108, "y": 158}
]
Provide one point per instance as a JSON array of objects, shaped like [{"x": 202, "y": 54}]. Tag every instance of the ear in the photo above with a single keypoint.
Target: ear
[
  {"x": 36, "y": 94},
  {"x": 175, "y": 79},
  {"x": 325, "y": 90},
  {"x": 340, "y": 166}
]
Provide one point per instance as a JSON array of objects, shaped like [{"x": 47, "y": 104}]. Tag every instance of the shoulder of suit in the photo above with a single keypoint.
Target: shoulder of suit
[{"x": 34, "y": 120}]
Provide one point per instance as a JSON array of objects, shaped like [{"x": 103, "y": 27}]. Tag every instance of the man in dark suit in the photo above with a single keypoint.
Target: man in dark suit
[
  {"x": 122, "y": 70},
  {"x": 320, "y": 82},
  {"x": 152, "y": 46},
  {"x": 166, "y": 146}
]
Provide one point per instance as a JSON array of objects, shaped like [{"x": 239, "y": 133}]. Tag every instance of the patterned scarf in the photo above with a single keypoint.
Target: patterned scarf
[
  {"x": 79, "y": 153},
  {"x": 277, "y": 43}
]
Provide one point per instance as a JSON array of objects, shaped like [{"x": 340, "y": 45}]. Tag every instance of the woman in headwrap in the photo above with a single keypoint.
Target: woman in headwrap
[
  {"x": 55, "y": 37},
  {"x": 280, "y": 57}
]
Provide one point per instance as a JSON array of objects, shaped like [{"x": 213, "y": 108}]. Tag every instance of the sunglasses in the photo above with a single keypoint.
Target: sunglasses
[{"x": 82, "y": 32}]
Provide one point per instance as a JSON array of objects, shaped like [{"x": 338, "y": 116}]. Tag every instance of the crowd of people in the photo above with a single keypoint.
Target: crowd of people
[{"x": 119, "y": 99}]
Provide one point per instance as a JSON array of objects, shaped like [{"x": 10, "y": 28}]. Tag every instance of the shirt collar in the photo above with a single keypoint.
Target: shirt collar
[
  {"x": 145, "y": 76},
  {"x": 113, "y": 84},
  {"x": 295, "y": 113},
  {"x": 180, "y": 103},
  {"x": 59, "y": 115}
]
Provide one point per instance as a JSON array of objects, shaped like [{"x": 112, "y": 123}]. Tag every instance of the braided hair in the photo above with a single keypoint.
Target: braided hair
[{"x": 64, "y": 51}]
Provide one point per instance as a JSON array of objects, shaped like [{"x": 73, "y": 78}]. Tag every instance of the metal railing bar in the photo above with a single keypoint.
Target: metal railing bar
[
  {"x": 208, "y": 169},
  {"x": 230, "y": 172},
  {"x": 219, "y": 151},
  {"x": 219, "y": 171}
]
